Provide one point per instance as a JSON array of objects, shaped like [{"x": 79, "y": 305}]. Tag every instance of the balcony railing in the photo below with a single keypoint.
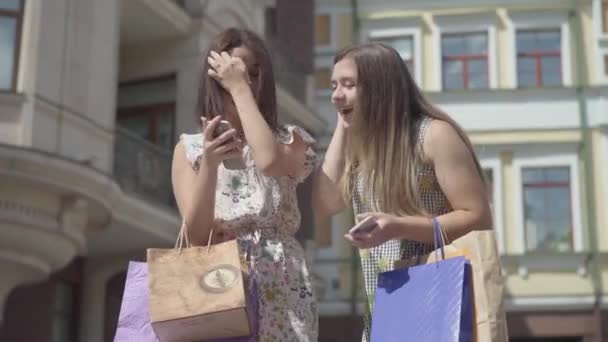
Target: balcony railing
[{"x": 142, "y": 168}]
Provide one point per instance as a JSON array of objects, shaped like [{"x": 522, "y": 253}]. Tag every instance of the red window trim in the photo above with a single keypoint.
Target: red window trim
[
  {"x": 465, "y": 59},
  {"x": 538, "y": 58},
  {"x": 550, "y": 184}
]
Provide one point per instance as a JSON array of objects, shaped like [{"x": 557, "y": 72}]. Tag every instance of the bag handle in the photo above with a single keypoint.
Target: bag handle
[
  {"x": 439, "y": 241},
  {"x": 182, "y": 238}
]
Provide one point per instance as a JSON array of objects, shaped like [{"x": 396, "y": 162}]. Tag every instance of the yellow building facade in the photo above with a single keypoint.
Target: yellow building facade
[{"x": 528, "y": 80}]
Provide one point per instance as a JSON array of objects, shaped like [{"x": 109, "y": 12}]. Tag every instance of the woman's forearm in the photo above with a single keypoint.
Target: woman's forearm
[
  {"x": 257, "y": 132},
  {"x": 327, "y": 193},
  {"x": 455, "y": 224}
]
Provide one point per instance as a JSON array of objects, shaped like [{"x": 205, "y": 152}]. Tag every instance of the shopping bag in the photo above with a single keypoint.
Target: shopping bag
[
  {"x": 427, "y": 302},
  {"x": 198, "y": 293}
]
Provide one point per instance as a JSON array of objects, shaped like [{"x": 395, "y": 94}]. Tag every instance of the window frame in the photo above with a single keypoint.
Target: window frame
[
  {"x": 535, "y": 20},
  {"x": 465, "y": 60},
  {"x": 331, "y": 46},
  {"x": 561, "y": 156},
  {"x": 538, "y": 56},
  {"x": 464, "y": 24},
  {"x": 18, "y": 16},
  {"x": 552, "y": 185},
  {"x": 321, "y": 63},
  {"x": 317, "y": 71},
  {"x": 415, "y": 34},
  {"x": 151, "y": 112}
]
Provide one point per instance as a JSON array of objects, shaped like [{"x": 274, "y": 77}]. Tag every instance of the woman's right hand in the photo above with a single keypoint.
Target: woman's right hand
[{"x": 218, "y": 149}]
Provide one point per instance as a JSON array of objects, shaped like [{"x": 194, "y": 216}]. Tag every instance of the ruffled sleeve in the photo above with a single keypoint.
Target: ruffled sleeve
[
  {"x": 286, "y": 136},
  {"x": 193, "y": 145}
]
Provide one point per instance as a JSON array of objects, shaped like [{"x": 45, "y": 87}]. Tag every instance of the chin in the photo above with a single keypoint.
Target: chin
[{"x": 347, "y": 122}]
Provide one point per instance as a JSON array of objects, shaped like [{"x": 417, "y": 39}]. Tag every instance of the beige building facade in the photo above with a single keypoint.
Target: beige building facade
[
  {"x": 528, "y": 80},
  {"x": 93, "y": 97}
]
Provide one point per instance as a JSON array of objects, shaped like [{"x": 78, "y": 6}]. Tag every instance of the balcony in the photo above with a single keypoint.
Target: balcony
[
  {"x": 145, "y": 21},
  {"x": 142, "y": 169}
]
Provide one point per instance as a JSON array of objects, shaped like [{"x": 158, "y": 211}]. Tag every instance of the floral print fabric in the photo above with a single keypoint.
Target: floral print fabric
[{"x": 262, "y": 214}]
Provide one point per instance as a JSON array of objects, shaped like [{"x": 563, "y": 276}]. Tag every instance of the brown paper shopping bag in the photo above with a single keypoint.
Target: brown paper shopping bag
[
  {"x": 480, "y": 248},
  {"x": 197, "y": 293},
  {"x": 488, "y": 284}
]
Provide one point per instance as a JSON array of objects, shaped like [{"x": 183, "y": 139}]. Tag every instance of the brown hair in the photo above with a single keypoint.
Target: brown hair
[
  {"x": 383, "y": 143},
  {"x": 210, "y": 101}
]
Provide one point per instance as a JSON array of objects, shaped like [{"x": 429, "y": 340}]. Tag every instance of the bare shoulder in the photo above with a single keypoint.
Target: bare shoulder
[
  {"x": 441, "y": 136},
  {"x": 180, "y": 159}
]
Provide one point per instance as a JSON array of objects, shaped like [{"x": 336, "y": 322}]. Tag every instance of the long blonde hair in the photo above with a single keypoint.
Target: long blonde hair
[{"x": 383, "y": 139}]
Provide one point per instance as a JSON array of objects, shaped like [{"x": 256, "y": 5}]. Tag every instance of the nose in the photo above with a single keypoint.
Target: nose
[{"x": 337, "y": 95}]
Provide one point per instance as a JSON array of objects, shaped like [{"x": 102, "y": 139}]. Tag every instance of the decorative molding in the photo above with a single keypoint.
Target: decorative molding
[
  {"x": 549, "y": 303},
  {"x": 13, "y": 211}
]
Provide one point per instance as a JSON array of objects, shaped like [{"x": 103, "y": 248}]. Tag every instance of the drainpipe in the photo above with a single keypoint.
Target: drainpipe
[
  {"x": 587, "y": 157},
  {"x": 356, "y": 22}
]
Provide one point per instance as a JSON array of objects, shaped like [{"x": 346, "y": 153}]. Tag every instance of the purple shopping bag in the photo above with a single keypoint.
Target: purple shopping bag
[
  {"x": 134, "y": 319},
  {"x": 426, "y": 303}
]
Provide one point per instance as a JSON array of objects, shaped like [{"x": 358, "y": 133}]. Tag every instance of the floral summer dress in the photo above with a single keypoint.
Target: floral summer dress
[
  {"x": 262, "y": 213},
  {"x": 381, "y": 258}
]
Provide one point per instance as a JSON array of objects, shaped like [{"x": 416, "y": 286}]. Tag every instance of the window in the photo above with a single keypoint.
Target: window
[
  {"x": 606, "y": 65},
  {"x": 403, "y": 45},
  {"x": 154, "y": 123},
  {"x": 547, "y": 209},
  {"x": 323, "y": 30},
  {"x": 147, "y": 109},
  {"x": 465, "y": 61},
  {"x": 539, "y": 59},
  {"x": 323, "y": 78},
  {"x": 11, "y": 13}
]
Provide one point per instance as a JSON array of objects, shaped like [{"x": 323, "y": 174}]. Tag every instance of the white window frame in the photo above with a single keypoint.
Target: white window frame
[
  {"x": 602, "y": 38},
  {"x": 494, "y": 164},
  {"x": 333, "y": 31},
  {"x": 544, "y": 157},
  {"x": 414, "y": 33},
  {"x": 598, "y": 20},
  {"x": 541, "y": 21},
  {"x": 456, "y": 25},
  {"x": 324, "y": 62}
]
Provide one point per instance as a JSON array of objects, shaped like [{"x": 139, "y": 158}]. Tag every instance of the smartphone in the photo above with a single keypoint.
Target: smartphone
[
  {"x": 231, "y": 164},
  {"x": 221, "y": 128},
  {"x": 365, "y": 226}
]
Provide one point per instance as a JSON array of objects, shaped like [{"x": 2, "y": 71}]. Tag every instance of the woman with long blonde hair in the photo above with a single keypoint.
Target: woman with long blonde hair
[{"x": 397, "y": 159}]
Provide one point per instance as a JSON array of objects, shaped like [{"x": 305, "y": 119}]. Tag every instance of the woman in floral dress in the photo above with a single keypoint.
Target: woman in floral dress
[{"x": 256, "y": 204}]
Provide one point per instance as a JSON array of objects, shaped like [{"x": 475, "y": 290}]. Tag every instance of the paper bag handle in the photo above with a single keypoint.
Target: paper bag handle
[{"x": 182, "y": 238}]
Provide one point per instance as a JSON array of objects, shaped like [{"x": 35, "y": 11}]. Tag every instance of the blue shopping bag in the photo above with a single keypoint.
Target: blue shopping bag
[{"x": 425, "y": 303}]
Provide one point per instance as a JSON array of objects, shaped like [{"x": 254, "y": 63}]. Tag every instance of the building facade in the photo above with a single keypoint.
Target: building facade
[
  {"x": 93, "y": 97},
  {"x": 528, "y": 80}
]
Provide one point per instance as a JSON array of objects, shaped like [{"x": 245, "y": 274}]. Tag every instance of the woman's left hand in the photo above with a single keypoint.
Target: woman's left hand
[
  {"x": 386, "y": 229},
  {"x": 230, "y": 71}
]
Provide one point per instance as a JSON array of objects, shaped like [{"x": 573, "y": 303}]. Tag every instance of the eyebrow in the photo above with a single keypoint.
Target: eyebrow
[{"x": 344, "y": 78}]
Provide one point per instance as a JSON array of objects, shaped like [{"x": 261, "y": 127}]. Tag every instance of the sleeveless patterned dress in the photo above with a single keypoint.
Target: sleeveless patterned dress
[{"x": 381, "y": 258}]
